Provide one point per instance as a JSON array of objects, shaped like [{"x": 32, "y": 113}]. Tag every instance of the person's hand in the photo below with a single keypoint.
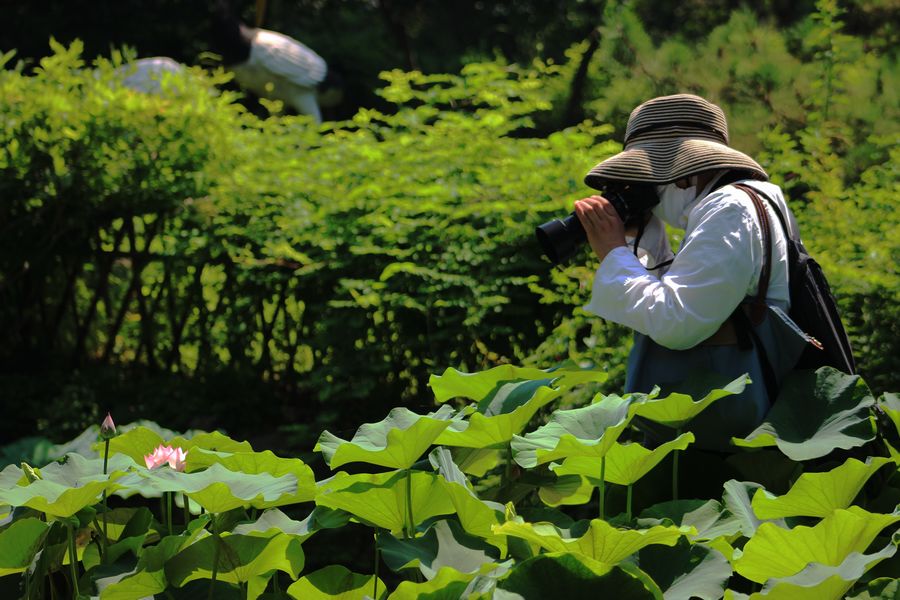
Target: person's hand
[{"x": 601, "y": 223}]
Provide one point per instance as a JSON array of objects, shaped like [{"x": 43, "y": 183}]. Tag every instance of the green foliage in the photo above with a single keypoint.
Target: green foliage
[{"x": 439, "y": 529}]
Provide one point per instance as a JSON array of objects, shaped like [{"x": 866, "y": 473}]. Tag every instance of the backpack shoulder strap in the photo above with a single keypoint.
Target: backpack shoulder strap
[{"x": 759, "y": 303}]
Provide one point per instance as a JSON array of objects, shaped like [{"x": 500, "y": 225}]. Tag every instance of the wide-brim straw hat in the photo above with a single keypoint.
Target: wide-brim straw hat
[{"x": 672, "y": 137}]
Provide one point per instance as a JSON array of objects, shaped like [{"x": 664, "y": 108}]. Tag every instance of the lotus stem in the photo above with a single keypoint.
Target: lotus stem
[
  {"x": 628, "y": 502},
  {"x": 105, "y": 505},
  {"x": 411, "y": 528},
  {"x": 187, "y": 509},
  {"x": 602, "y": 488},
  {"x": 73, "y": 560},
  {"x": 169, "y": 512},
  {"x": 675, "y": 468},
  {"x": 375, "y": 578},
  {"x": 215, "y": 566}
]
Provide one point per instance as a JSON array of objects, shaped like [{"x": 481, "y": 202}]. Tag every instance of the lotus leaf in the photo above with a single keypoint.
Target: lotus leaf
[
  {"x": 396, "y": 442},
  {"x": 677, "y": 409},
  {"x": 566, "y": 490},
  {"x": 218, "y": 489},
  {"x": 336, "y": 582},
  {"x": 275, "y": 521},
  {"x": 737, "y": 501},
  {"x": 476, "y": 516},
  {"x": 445, "y": 544},
  {"x": 250, "y": 559},
  {"x": 587, "y": 432},
  {"x": 818, "y": 581},
  {"x": 686, "y": 570},
  {"x": 883, "y": 587},
  {"x": 259, "y": 462},
  {"x": 601, "y": 542},
  {"x": 818, "y": 494},
  {"x": 19, "y": 543},
  {"x": 141, "y": 440},
  {"x": 625, "y": 463},
  {"x": 448, "y": 584},
  {"x": 381, "y": 499},
  {"x": 816, "y": 412},
  {"x": 711, "y": 519},
  {"x": 66, "y": 487},
  {"x": 147, "y": 578},
  {"x": 559, "y": 575},
  {"x": 477, "y": 386},
  {"x": 775, "y": 552}
]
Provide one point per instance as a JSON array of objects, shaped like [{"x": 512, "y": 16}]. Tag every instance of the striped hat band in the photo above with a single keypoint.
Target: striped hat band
[{"x": 672, "y": 137}]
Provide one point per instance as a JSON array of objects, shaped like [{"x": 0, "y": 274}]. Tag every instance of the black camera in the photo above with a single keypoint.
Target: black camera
[{"x": 561, "y": 238}]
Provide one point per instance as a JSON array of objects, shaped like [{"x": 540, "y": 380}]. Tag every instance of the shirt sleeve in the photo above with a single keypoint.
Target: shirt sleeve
[{"x": 711, "y": 274}]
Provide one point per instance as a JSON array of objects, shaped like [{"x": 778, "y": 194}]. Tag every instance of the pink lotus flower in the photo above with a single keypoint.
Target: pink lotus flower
[
  {"x": 108, "y": 428},
  {"x": 175, "y": 457}
]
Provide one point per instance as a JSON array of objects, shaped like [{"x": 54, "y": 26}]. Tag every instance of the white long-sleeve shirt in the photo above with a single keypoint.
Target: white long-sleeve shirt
[{"x": 717, "y": 266}]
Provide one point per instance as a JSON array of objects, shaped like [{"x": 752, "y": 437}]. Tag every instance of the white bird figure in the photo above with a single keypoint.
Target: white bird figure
[
  {"x": 270, "y": 64},
  {"x": 146, "y": 74}
]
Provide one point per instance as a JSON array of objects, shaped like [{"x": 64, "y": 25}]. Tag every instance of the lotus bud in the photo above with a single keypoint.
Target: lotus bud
[{"x": 108, "y": 428}]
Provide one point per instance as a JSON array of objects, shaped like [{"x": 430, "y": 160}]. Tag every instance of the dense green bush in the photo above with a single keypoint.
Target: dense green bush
[{"x": 152, "y": 240}]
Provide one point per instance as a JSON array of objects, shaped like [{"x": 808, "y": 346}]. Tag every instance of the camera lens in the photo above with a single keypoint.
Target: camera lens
[{"x": 560, "y": 238}]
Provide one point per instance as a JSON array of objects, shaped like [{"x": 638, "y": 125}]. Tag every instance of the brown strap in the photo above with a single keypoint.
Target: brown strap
[{"x": 759, "y": 303}]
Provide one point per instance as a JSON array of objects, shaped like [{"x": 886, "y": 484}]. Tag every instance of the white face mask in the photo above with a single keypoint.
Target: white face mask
[{"x": 673, "y": 203}]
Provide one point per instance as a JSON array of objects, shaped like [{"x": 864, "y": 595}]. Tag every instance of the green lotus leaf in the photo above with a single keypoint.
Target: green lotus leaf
[
  {"x": 147, "y": 578},
  {"x": 336, "y": 582},
  {"x": 396, "y": 442},
  {"x": 677, "y": 409},
  {"x": 625, "y": 463},
  {"x": 381, "y": 499},
  {"x": 477, "y": 386},
  {"x": 477, "y": 461},
  {"x": 141, "y": 440},
  {"x": 445, "y": 544},
  {"x": 589, "y": 432},
  {"x": 775, "y": 552},
  {"x": 65, "y": 488},
  {"x": 601, "y": 542},
  {"x": 259, "y": 462},
  {"x": 570, "y": 490},
  {"x": 561, "y": 575},
  {"x": 686, "y": 570},
  {"x": 496, "y": 429},
  {"x": 818, "y": 581},
  {"x": 19, "y": 543},
  {"x": 273, "y": 520},
  {"x": 818, "y": 494},
  {"x": 816, "y": 412},
  {"x": 710, "y": 518},
  {"x": 477, "y": 516},
  {"x": 448, "y": 584},
  {"x": 250, "y": 559},
  {"x": 737, "y": 500},
  {"x": 218, "y": 489},
  {"x": 883, "y": 587}
]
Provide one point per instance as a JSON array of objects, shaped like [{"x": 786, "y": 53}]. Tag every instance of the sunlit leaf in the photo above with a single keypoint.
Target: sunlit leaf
[
  {"x": 587, "y": 432},
  {"x": 676, "y": 410},
  {"x": 448, "y": 584},
  {"x": 817, "y": 581},
  {"x": 381, "y": 499},
  {"x": 65, "y": 488},
  {"x": 396, "y": 442},
  {"x": 476, "y": 386},
  {"x": 818, "y": 494},
  {"x": 776, "y": 552},
  {"x": 711, "y": 519},
  {"x": 816, "y": 413},
  {"x": 259, "y": 462},
  {"x": 218, "y": 489},
  {"x": 250, "y": 559},
  {"x": 625, "y": 463},
  {"x": 336, "y": 582},
  {"x": 601, "y": 542}
]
